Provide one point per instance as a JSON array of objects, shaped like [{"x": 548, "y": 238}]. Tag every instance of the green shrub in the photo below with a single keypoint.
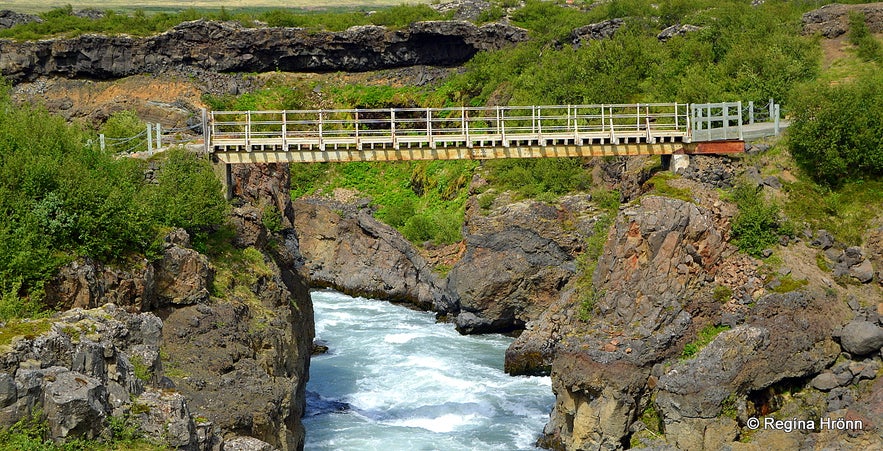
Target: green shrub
[
  {"x": 867, "y": 46},
  {"x": 534, "y": 177},
  {"x": 120, "y": 131},
  {"x": 835, "y": 130},
  {"x": 756, "y": 226},
  {"x": 722, "y": 293}
]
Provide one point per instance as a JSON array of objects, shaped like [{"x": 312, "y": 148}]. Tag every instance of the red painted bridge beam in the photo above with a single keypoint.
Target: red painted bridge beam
[{"x": 713, "y": 147}]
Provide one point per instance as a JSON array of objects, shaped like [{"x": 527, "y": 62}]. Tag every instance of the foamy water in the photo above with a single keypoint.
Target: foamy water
[{"x": 394, "y": 379}]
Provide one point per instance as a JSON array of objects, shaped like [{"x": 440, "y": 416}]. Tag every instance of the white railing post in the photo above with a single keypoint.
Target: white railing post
[
  {"x": 248, "y": 131},
  {"x": 466, "y": 128},
  {"x": 539, "y": 116},
  {"x": 776, "y": 107},
  {"x": 576, "y": 125},
  {"x": 358, "y": 141},
  {"x": 158, "y": 137},
  {"x": 751, "y": 112},
  {"x": 392, "y": 128},
  {"x": 726, "y": 120},
  {"x": 101, "y": 142},
  {"x": 206, "y": 135},
  {"x": 740, "y": 121},
  {"x": 503, "y": 127},
  {"x": 429, "y": 139},
  {"x": 321, "y": 127},
  {"x": 284, "y": 130},
  {"x": 150, "y": 139}
]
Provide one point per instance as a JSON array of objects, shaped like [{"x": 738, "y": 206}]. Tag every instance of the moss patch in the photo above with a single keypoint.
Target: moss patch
[
  {"x": 28, "y": 329},
  {"x": 660, "y": 185},
  {"x": 703, "y": 338}
]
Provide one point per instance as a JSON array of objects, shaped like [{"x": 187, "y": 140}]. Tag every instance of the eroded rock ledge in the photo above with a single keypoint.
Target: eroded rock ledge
[{"x": 229, "y": 47}]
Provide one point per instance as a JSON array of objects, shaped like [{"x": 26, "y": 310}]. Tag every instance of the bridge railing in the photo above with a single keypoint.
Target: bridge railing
[{"x": 469, "y": 126}]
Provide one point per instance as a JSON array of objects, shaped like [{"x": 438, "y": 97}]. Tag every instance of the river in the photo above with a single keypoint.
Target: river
[{"x": 394, "y": 379}]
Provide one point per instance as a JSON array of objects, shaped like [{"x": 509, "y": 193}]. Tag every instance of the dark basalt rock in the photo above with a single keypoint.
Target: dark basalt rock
[
  {"x": 9, "y": 19},
  {"x": 229, "y": 47}
]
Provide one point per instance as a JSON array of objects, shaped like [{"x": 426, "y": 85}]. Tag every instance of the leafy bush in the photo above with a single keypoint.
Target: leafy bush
[
  {"x": 62, "y": 198},
  {"x": 756, "y": 226},
  {"x": 534, "y": 177},
  {"x": 835, "y": 131},
  {"x": 866, "y": 45}
]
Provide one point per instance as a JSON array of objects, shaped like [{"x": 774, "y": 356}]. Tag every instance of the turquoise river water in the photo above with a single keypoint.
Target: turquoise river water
[{"x": 394, "y": 379}]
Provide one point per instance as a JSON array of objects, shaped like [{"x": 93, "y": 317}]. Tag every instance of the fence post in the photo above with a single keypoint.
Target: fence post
[
  {"x": 158, "y": 137},
  {"x": 101, "y": 141},
  {"x": 740, "y": 122},
  {"x": 726, "y": 120},
  {"x": 750, "y": 111},
  {"x": 149, "y": 139},
  {"x": 776, "y": 107},
  {"x": 205, "y": 132}
]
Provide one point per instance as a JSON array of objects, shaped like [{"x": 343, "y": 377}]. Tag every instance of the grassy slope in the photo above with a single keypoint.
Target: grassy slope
[{"x": 34, "y": 6}]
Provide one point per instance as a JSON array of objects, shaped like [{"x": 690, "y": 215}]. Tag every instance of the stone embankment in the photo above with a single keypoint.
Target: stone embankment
[
  {"x": 230, "y": 47},
  {"x": 198, "y": 354}
]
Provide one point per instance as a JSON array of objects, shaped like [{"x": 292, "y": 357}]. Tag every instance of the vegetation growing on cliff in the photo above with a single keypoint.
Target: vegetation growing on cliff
[
  {"x": 62, "y": 198},
  {"x": 62, "y": 21},
  {"x": 30, "y": 434}
]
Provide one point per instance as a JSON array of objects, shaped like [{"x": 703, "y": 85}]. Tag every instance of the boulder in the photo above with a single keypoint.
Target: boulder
[
  {"x": 75, "y": 405},
  {"x": 503, "y": 286},
  {"x": 182, "y": 276},
  {"x": 596, "y": 31},
  {"x": 863, "y": 272},
  {"x": 861, "y": 338},
  {"x": 246, "y": 444},
  {"x": 823, "y": 239},
  {"x": 825, "y": 381},
  {"x": 832, "y": 20},
  {"x": 359, "y": 255},
  {"x": 164, "y": 417},
  {"x": 676, "y": 30},
  {"x": 9, "y": 19}
]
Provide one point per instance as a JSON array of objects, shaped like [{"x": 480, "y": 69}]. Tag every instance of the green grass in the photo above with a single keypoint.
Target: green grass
[
  {"x": 703, "y": 338},
  {"x": 23, "y": 328},
  {"x": 138, "y": 22},
  {"x": 845, "y": 212},
  {"x": 660, "y": 185}
]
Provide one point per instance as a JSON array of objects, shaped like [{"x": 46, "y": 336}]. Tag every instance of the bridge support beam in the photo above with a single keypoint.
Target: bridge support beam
[{"x": 224, "y": 174}]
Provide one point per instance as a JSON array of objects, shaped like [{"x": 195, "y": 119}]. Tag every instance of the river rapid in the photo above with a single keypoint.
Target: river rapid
[{"x": 394, "y": 379}]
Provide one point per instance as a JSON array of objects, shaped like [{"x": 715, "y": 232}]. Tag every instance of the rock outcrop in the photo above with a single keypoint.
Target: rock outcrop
[
  {"x": 235, "y": 349},
  {"x": 595, "y": 31},
  {"x": 359, "y": 255},
  {"x": 832, "y": 20},
  {"x": 519, "y": 257},
  {"x": 229, "y": 47},
  {"x": 9, "y": 19},
  {"x": 81, "y": 368}
]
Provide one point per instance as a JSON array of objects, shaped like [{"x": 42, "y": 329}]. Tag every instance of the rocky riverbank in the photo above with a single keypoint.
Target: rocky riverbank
[
  {"x": 197, "y": 353},
  {"x": 681, "y": 340}
]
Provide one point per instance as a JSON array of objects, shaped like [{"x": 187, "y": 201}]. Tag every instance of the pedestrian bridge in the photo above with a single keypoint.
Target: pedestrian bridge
[{"x": 402, "y": 134}]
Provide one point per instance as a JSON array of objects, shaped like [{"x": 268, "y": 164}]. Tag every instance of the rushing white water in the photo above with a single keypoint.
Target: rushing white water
[{"x": 394, "y": 379}]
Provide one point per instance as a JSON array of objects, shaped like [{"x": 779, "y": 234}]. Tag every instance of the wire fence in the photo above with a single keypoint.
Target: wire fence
[{"x": 154, "y": 138}]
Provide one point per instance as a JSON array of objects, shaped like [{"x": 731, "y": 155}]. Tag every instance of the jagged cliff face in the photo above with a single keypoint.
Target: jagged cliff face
[
  {"x": 232, "y": 338},
  {"x": 229, "y": 47}
]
